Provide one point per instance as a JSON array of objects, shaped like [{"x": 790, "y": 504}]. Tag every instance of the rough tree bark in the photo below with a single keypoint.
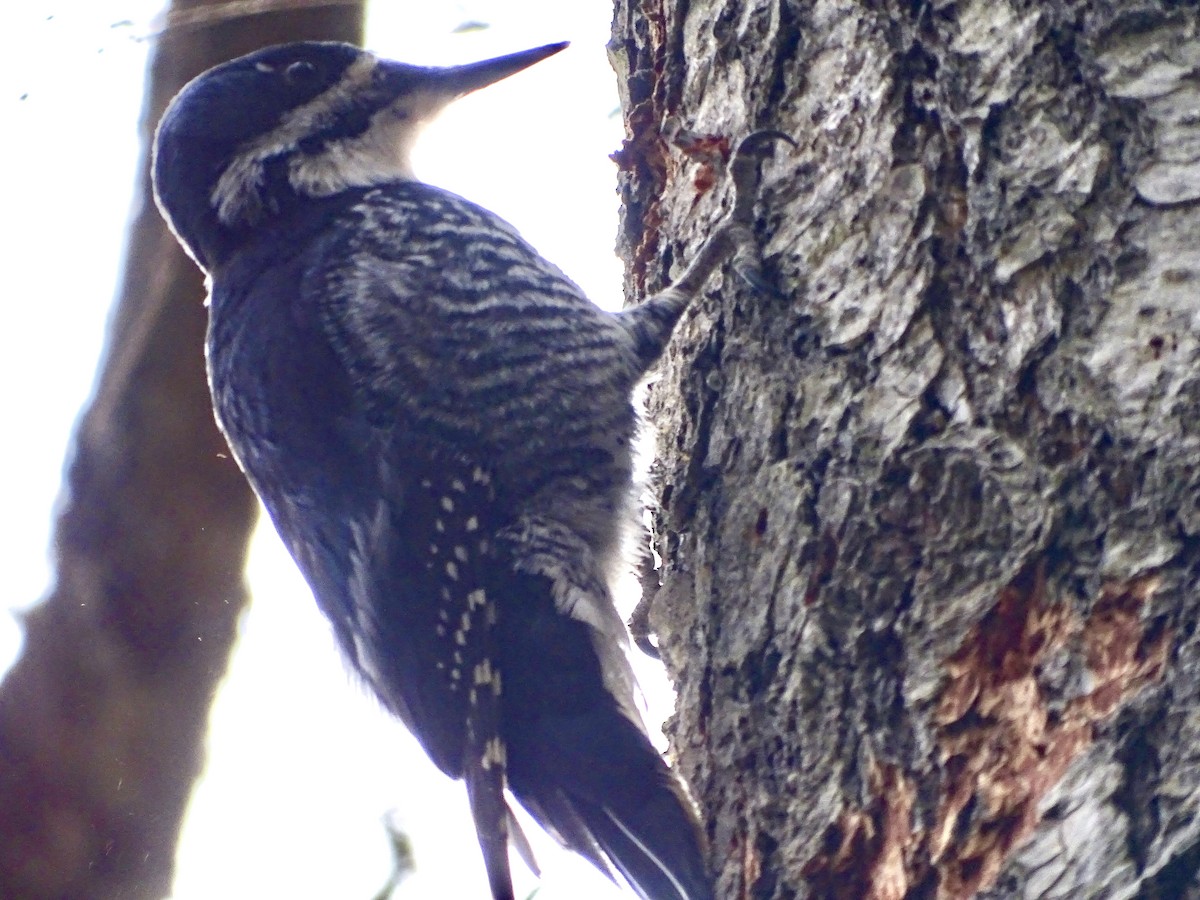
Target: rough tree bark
[
  {"x": 931, "y": 517},
  {"x": 103, "y": 716}
]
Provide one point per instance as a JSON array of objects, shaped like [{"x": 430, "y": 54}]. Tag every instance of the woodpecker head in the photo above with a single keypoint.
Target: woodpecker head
[{"x": 246, "y": 140}]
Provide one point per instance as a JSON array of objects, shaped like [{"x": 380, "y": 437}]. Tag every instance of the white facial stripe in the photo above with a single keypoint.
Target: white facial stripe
[
  {"x": 381, "y": 153},
  {"x": 378, "y": 154},
  {"x": 237, "y": 195}
]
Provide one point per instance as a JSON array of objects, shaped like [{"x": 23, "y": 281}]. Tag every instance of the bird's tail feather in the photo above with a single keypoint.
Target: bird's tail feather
[
  {"x": 657, "y": 847},
  {"x": 484, "y": 769},
  {"x": 619, "y": 806},
  {"x": 652, "y": 869},
  {"x": 491, "y": 826}
]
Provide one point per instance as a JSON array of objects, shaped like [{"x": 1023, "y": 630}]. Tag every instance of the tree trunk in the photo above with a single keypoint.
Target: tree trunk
[
  {"x": 102, "y": 717},
  {"x": 930, "y": 517}
]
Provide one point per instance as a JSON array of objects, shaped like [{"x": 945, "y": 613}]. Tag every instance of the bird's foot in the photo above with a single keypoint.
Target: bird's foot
[{"x": 734, "y": 238}]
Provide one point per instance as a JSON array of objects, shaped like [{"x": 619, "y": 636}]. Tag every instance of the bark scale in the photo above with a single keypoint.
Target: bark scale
[{"x": 930, "y": 517}]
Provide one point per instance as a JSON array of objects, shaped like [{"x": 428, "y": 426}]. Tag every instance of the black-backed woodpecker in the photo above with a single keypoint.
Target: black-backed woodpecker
[{"x": 439, "y": 424}]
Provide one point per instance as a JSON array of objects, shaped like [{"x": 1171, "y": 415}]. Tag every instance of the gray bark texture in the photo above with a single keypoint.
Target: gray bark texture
[
  {"x": 102, "y": 718},
  {"x": 930, "y": 516}
]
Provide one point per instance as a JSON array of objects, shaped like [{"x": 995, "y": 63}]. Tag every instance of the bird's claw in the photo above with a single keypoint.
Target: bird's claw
[
  {"x": 744, "y": 171},
  {"x": 734, "y": 237},
  {"x": 756, "y": 142}
]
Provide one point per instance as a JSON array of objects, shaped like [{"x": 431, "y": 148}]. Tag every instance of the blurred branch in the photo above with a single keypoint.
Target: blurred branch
[
  {"x": 403, "y": 863},
  {"x": 102, "y": 717}
]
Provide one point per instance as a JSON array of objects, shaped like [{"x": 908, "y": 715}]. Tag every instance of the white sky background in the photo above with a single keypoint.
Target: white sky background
[{"x": 302, "y": 766}]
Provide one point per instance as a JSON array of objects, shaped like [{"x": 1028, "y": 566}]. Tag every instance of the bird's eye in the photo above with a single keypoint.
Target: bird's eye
[{"x": 300, "y": 73}]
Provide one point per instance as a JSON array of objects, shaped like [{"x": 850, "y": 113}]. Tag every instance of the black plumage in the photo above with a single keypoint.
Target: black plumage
[{"x": 439, "y": 424}]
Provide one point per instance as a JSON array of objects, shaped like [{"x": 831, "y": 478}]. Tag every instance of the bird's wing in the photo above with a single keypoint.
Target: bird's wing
[
  {"x": 441, "y": 322},
  {"x": 426, "y": 618},
  {"x": 422, "y": 587}
]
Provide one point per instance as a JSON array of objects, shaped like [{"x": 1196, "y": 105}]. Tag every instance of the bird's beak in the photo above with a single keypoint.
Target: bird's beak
[
  {"x": 459, "y": 80},
  {"x": 424, "y": 91},
  {"x": 418, "y": 93}
]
